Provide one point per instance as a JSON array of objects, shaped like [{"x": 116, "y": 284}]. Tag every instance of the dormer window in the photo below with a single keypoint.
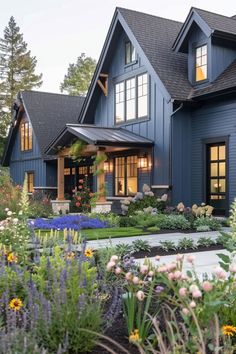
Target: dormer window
[
  {"x": 201, "y": 63},
  {"x": 130, "y": 54}
]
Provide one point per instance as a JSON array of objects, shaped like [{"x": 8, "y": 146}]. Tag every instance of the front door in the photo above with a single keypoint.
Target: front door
[{"x": 216, "y": 185}]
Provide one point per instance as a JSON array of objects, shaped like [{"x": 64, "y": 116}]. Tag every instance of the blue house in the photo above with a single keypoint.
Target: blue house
[
  {"x": 162, "y": 107},
  {"x": 37, "y": 117}
]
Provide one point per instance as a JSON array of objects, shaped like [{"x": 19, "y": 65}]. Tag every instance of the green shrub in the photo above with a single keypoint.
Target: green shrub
[
  {"x": 141, "y": 245},
  {"x": 174, "y": 222},
  {"x": 203, "y": 228},
  {"x": 212, "y": 223},
  {"x": 145, "y": 202},
  {"x": 186, "y": 243},
  {"x": 145, "y": 221},
  {"x": 205, "y": 242},
  {"x": 112, "y": 219},
  {"x": 127, "y": 221},
  {"x": 9, "y": 194}
]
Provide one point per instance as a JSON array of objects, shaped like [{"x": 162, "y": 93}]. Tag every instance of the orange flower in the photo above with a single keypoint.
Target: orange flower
[
  {"x": 88, "y": 253},
  {"x": 78, "y": 198},
  {"x": 77, "y": 204},
  {"x": 228, "y": 330},
  {"x": 91, "y": 195},
  {"x": 15, "y": 304},
  {"x": 81, "y": 181},
  {"x": 12, "y": 258}
]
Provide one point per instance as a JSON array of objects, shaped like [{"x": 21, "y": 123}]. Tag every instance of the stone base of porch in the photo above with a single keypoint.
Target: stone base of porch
[
  {"x": 102, "y": 207},
  {"x": 60, "y": 206}
]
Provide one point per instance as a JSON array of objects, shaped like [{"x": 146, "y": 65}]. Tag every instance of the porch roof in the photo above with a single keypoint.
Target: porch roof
[{"x": 98, "y": 136}]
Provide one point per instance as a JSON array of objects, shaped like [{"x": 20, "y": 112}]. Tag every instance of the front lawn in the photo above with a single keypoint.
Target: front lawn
[{"x": 94, "y": 234}]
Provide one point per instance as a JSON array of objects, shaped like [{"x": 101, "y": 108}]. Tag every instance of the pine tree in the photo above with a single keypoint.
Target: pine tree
[
  {"x": 17, "y": 71},
  {"x": 79, "y": 76}
]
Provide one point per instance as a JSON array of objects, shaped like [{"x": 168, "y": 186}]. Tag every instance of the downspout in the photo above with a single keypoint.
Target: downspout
[{"x": 171, "y": 144}]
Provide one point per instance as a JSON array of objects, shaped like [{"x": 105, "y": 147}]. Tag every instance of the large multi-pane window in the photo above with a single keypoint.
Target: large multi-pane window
[
  {"x": 131, "y": 98},
  {"x": 130, "y": 54},
  {"x": 26, "y": 139},
  {"x": 126, "y": 172},
  {"x": 142, "y": 95},
  {"x": 30, "y": 182},
  {"x": 201, "y": 63},
  {"x": 120, "y": 102}
]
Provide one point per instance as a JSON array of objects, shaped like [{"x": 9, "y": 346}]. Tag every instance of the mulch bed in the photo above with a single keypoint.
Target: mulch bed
[
  {"x": 160, "y": 252},
  {"x": 118, "y": 333}
]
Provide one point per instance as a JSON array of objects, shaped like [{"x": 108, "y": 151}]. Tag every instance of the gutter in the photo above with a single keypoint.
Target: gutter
[{"x": 171, "y": 143}]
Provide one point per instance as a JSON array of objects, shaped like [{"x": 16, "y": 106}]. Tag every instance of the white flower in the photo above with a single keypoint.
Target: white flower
[
  {"x": 20, "y": 212},
  {"x": 7, "y": 209},
  {"x": 15, "y": 220},
  {"x": 9, "y": 213},
  {"x": 1, "y": 228}
]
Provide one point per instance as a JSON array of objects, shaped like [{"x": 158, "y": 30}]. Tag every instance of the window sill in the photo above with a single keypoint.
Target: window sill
[
  {"x": 130, "y": 64},
  {"x": 133, "y": 121}
]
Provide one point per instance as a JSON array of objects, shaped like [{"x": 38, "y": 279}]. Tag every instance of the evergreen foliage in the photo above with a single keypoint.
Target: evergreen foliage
[
  {"x": 79, "y": 76},
  {"x": 17, "y": 71}
]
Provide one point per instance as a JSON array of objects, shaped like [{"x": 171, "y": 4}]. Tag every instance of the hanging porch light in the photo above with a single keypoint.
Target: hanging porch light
[{"x": 143, "y": 161}]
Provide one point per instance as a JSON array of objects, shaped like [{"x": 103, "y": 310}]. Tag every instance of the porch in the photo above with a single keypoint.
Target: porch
[{"x": 127, "y": 167}]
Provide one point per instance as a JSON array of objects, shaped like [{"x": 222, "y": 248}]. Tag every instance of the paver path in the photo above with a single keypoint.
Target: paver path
[{"x": 154, "y": 240}]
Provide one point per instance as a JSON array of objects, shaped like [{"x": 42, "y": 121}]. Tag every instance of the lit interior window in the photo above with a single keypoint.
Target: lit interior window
[{"x": 201, "y": 63}]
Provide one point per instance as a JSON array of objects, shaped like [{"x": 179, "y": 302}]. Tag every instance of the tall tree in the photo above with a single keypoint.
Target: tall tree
[
  {"x": 17, "y": 71},
  {"x": 79, "y": 76}
]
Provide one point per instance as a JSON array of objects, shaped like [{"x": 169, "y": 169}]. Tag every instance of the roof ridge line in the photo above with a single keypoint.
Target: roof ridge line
[
  {"x": 213, "y": 13},
  {"x": 53, "y": 93}
]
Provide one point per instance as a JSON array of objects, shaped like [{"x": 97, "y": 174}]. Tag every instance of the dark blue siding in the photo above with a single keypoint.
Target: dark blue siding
[
  {"x": 21, "y": 162},
  {"x": 181, "y": 157},
  {"x": 155, "y": 126},
  {"x": 221, "y": 58}
]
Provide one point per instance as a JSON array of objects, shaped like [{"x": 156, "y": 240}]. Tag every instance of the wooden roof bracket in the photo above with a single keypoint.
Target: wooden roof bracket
[{"x": 103, "y": 83}]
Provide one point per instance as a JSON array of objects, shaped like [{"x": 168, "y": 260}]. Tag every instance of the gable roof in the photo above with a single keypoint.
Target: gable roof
[
  {"x": 48, "y": 113},
  {"x": 217, "y": 22},
  {"x": 98, "y": 136}
]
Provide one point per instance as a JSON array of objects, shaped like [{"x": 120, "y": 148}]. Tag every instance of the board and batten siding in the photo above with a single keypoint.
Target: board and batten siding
[
  {"x": 23, "y": 161},
  {"x": 154, "y": 127},
  {"x": 213, "y": 121}
]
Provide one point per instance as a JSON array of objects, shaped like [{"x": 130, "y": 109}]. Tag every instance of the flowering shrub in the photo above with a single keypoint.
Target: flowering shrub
[
  {"x": 143, "y": 201},
  {"x": 9, "y": 194},
  {"x": 73, "y": 222},
  {"x": 46, "y": 306},
  {"x": 83, "y": 197}
]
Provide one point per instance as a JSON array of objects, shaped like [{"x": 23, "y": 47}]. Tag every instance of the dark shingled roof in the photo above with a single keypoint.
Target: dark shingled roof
[
  {"x": 155, "y": 36},
  {"x": 218, "y": 22},
  {"x": 226, "y": 81},
  {"x": 49, "y": 113}
]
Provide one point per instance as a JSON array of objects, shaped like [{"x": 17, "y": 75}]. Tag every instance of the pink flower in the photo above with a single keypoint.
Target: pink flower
[
  {"x": 192, "y": 304},
  {"x": 157, "y": 258},
  {"x": 128, "y": 276},
  {"x": 232, "y": 268},
  {"x": 171, "y": 266},
  {"x": 162, "y": 269},
  {"x": 171, "y": 276},
  {"x": 193, "y": 288},
  {"x": 151, "y": 273},
  {"x": 182, "y": 292},
  {"x": 114, "y": 258},
  {"x": 110, "y": 265},
  {"x": 144, "y": 269},
  {"x": 190, "y": 258},
  {"x": 185, "y": 311},
  {"x": 207, "y": 286},
  {"x": 179, "y": 257},
  {"x": 177, "y": 274},
  {"x": 140, "y": 295},
  {"x": 135, "y": 280},
  {"x": 118, "y": 270},
  {"x": 196, "y": 294},
  {"x": 220, "y": 273}
]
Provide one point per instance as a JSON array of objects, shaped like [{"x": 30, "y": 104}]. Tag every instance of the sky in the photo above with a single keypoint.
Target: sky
[{"x": 58, "y": 31}]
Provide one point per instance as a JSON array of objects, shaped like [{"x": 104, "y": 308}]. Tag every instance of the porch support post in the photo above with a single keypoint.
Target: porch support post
[
  {"x": 60, "y": 178},
  {"x": 101, "y": 178}
]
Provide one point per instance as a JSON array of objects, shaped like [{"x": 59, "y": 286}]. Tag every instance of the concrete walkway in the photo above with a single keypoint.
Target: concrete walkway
[
  {"x": 154, "y": 240},
  {"x": 204, "y": 263}
]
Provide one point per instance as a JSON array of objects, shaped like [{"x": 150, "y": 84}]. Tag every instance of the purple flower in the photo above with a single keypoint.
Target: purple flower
[{"x": 159, "y": 289}]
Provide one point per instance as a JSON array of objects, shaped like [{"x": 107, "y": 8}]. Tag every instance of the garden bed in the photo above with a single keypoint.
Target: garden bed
[{"x": 160, "y": 252}]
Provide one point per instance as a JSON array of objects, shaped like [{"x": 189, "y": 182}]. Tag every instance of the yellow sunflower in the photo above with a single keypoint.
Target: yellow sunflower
[
  {"x": 229, "y": 330},
  {"x": 134, "y": 336},
  {"x": 15, "y": 304},
  {"x": 12, "y": 258},
  {"x": 88, "y": 253}
]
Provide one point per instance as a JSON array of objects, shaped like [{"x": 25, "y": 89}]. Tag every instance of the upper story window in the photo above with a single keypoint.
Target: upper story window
[
  {"x": 131, "y": 99},
  {"x": 130, "y": 54},
  {"x": 201, "y": 63},
  {"x": 26, "y": 139}
]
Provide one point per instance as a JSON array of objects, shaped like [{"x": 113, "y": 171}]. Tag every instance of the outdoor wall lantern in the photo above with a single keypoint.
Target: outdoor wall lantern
[
  {"x": 143, "y": 161},
  {"x": 108, "y": 167}
]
